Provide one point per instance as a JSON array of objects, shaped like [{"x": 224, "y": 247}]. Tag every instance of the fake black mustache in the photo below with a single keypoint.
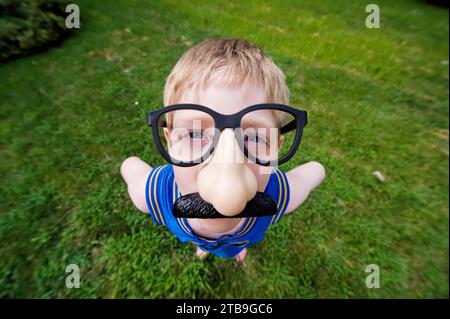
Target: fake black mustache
[{"x": 193, "y": 206}]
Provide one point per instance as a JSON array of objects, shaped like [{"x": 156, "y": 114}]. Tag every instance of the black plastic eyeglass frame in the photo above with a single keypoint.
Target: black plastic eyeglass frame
[{"x": 233, "y": 121}]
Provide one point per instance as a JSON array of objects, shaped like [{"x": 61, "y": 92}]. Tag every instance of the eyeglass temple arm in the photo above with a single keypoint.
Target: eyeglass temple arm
[
  {"x": 292, "y": 125},
  {"x": 150, "y": 120}
]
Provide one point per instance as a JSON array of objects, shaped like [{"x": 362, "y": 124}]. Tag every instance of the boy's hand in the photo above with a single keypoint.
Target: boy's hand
[
  {"x": 135, "y": 172},
  {"x": 302, "y": 180}
]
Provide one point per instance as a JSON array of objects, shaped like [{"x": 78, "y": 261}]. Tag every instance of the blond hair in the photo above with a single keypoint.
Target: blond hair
[{"x": 233, "y": 61}]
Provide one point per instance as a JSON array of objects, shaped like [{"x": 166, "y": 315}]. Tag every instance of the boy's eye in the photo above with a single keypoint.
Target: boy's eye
[
  {"x": 254, "y": 139},
  {"x": 196, "y": 135},
  {"x": 251, "y": 138}
]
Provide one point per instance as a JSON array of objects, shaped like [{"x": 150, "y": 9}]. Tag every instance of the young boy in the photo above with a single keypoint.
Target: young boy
[{"x": 228, "y": 130}]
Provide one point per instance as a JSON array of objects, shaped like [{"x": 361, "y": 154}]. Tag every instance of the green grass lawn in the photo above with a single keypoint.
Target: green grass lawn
[{"x": 377, "y": 99}]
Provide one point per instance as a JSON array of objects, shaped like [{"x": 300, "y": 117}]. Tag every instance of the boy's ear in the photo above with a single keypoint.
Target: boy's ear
[
  {"x": 281, "y": 140},
  {"x": 167, "y": 135}
]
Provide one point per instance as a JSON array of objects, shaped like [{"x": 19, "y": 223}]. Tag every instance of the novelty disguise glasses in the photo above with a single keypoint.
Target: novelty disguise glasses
[{"x": 268, "y": 134}]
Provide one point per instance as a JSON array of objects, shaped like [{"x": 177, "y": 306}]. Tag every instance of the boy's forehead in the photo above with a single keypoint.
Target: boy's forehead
[{"x": 225, "y": 99}]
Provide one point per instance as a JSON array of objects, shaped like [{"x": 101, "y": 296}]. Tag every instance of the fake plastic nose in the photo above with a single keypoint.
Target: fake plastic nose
[{"x": 226, "y": 182}]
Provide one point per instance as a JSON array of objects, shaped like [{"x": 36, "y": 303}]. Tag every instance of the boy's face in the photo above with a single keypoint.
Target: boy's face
[{"x": 226, "y": 179}]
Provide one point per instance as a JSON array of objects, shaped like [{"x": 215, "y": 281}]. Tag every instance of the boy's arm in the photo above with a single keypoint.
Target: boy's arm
[
  {"x": 302, "y": 180},
  {"x": 135, "y": 173}
]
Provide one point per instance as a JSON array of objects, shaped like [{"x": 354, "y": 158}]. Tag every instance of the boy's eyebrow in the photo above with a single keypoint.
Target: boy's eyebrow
[
  {"x": 189, "y": 119},
  {"x": 262, "y": 122}
]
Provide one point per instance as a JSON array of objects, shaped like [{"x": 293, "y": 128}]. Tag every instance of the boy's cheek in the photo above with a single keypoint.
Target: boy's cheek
[
  {"x": 262, "y": 174},
  {"x": 186, "y": 178}
]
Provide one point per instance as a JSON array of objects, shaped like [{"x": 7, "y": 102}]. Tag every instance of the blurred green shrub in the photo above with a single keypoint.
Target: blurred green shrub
[{"x": 28, "y": 26}]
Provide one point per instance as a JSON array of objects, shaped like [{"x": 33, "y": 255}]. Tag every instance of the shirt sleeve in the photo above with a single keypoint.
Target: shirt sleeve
[
  {"x": 152, "y": 194},
  {"x": 280, "y": 183}
]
